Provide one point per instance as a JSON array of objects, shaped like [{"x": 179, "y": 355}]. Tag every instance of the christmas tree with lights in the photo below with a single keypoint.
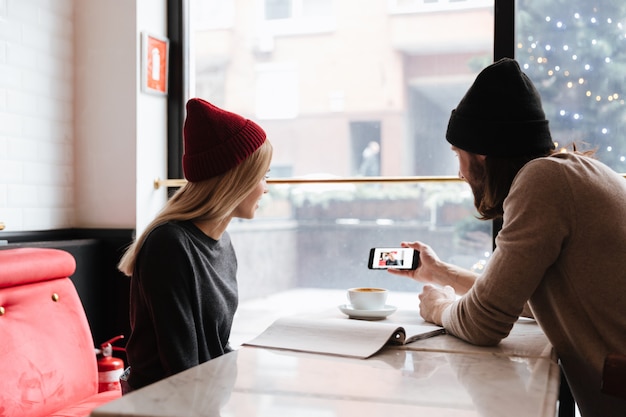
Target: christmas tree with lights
[{"x": 575, "y": 53}]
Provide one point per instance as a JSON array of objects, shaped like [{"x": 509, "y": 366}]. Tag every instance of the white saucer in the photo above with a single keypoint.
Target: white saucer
[{"x": 367, "y": 314}]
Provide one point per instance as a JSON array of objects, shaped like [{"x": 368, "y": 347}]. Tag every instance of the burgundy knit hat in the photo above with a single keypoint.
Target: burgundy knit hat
[
  {"x": 501, "y": 115},
  {"x": 216, "y": 140}
]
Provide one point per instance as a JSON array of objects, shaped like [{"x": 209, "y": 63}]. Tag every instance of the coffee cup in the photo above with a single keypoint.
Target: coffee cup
[{"x": 367, "y": 298}]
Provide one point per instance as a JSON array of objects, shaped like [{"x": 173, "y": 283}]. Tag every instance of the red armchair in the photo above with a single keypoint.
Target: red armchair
[{"x": 49, "y": 365}]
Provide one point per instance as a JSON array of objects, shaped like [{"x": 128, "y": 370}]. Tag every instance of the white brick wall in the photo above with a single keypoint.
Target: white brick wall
[{"x": 36, "y": 114}]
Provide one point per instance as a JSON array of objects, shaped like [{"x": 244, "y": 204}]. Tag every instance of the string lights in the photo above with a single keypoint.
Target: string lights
[{"x": 576, "y": 55}]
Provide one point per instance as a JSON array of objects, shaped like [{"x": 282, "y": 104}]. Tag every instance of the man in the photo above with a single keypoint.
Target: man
[{"x": 561, "y": 247}]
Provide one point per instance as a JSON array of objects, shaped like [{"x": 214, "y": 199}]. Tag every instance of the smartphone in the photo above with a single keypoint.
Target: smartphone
[{"x": 397, "y": 258}]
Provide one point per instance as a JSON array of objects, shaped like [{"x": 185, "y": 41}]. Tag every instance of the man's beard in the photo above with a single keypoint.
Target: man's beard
[
  {"x": 479, "y": 193},
  {"x": 476, "y": 181}
]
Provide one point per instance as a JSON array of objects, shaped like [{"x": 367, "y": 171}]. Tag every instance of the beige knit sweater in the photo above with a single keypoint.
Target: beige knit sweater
[{"x": 562, "y": 248}]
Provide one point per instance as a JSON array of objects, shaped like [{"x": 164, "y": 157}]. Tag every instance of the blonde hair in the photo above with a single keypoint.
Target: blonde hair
[{"x": 213, "y": 199}]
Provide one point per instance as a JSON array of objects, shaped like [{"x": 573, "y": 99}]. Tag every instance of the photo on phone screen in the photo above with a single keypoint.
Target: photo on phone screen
[{"x": 397, "y": 258}]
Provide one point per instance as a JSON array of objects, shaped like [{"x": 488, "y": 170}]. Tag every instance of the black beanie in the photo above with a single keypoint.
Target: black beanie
[{"x": 501, "y": 115}]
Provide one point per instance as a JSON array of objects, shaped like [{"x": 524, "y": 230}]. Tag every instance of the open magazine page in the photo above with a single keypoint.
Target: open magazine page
[{"x": 335, "y": 334}]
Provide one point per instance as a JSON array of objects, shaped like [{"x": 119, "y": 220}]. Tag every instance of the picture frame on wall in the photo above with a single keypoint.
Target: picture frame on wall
[{"x": 154, "y": 63}]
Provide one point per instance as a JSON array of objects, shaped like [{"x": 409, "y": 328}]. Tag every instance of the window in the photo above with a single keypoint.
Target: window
[
  {"x": 277, "y": 91},
  {"x": 278, "y": 9},
  {"x": 296, "y": 9},
  {"x": 288, "y": 17},
  {"x": 356, "y": 90}
]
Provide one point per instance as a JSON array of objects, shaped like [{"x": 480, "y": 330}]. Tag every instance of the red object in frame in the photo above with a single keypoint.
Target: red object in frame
[{"x": 155, "y": 63}]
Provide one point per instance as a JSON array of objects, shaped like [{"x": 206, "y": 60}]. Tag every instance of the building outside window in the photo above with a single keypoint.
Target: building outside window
[{"x": 334, "y": 83}]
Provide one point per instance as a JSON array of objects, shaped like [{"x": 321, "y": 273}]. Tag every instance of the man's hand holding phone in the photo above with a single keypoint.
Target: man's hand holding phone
[{"x": 428, "y": 268}]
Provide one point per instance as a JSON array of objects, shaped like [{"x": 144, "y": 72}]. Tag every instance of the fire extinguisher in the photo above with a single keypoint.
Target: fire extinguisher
[{"x": 110, "y": 368}]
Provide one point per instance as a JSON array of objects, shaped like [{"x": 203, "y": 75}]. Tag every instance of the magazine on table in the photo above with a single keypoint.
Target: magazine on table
[{"x": 334, "y": 334}]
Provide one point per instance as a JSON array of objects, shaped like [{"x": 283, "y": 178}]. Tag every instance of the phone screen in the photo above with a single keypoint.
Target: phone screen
[{"x": 398, "y": 258}]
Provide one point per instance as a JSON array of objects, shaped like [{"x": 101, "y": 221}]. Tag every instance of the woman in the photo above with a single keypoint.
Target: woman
[{"x": 183, "y": 267}]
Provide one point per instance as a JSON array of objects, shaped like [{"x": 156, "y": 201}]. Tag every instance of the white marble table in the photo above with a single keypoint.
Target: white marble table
[
  {"x": 442, "y": 378},
  {"x": 254, "y": 316}
]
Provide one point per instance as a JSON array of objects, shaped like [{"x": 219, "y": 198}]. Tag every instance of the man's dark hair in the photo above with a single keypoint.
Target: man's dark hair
[{"x": 497, "y": 176}]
